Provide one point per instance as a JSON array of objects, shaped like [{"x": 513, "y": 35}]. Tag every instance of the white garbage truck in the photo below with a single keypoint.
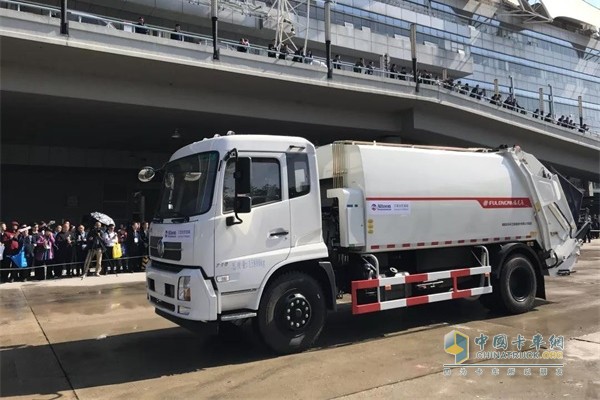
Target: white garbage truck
[{"x": 271, "y": 229}]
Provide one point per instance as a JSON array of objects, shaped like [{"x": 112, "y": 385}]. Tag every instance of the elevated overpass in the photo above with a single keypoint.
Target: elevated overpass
[{"x": 107, "y": 98}]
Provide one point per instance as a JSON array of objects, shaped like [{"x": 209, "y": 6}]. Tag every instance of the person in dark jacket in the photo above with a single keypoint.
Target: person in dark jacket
[
  {"x": 135, "y": 246},
  {"x": 35, "y": 237},
  {"x": 139, "y": 28},
  {"x": 65, "y": 241},
  {"x": 96, "y": 249},
  {"x": 176, "y": 35},
  {"x": 80, "y": 250}
]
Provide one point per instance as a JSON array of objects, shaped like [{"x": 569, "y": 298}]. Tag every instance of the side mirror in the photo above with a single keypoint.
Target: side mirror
[
  {"x": 243, "y": 175},
  {"x": 242, "y": 204},
  {"x": 146, "y": 174}
]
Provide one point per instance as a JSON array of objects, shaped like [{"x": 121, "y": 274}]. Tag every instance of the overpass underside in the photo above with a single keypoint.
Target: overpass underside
[{"x": 105, "y": 103}]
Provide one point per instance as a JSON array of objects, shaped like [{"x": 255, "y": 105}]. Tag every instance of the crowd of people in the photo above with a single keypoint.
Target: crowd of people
[{"x": 55, "y": 250}]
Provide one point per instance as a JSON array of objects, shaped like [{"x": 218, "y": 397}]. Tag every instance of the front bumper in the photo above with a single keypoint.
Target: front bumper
[{"x": 162, "y": 294}]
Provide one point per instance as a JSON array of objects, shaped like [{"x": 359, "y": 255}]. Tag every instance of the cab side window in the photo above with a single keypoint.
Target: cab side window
[
  {"x": 298, "y": 175},
  {"x": 266, "y": 183}
]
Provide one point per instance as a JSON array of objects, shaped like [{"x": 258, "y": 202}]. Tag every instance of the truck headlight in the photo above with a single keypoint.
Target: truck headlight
[{"x": 183, "y": 289}]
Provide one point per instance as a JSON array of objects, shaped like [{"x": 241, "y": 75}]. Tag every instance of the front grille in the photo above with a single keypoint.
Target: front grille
[
  {"x": 167, "y": 267},
  {"x": 173, "y": 268},
  {"x": 151, "y": 284},
  {"x": 162, "y": 304},
  {"x": 154, "y": 241},
  {"x": 172, "y": 249}
]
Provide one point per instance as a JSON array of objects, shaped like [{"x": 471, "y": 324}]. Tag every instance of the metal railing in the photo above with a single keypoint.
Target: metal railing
[
  {"x": 47, "y": 265},
  {"x": 232, "y": 45}
]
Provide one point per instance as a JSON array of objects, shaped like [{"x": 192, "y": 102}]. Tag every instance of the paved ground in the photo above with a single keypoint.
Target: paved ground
[{"x": 98, "y": 339}]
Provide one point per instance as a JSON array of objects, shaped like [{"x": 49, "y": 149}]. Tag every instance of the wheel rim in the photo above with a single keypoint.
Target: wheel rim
[
  {"x": 520, "y": 283},
  {"x": 294, "y": 313}
]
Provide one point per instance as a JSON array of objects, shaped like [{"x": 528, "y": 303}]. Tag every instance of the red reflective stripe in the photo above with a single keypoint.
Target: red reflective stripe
[
  {"x": 517, "y": 237},
  {"x": 448, "y": 242},
  {"x": 473, "y": 240},
  {"x": 391, "y": 246},
  {"x": 434, "y": 243},
  {"x": 415, "y": 301},
  {"x": 420, "y": 244},
  {"x": 416, "y": 278},
  {"x": 486, "y": 239},
  {"x": 375, "y": 247},
  {"x": 405, "y": 244},
  {"x": 461, "y": 294},
  {"x": 484, "y": 202},
  {"x": 460, "y": 272},
  {"x": 496, "y": 239},
  {"x": 366, "y": 284},
  {"x": 461, "y": 241},
  {"x": 365, "y": 308},
  {"x": 507, "y": 238}
]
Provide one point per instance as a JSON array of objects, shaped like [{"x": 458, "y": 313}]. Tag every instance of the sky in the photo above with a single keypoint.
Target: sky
[{"x": 594, "y": 3}]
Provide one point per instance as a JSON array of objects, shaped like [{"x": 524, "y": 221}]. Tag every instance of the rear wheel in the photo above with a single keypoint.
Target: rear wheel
[
  {"x": 292, "y": 313},
  {"x": 515, "y": 291}
]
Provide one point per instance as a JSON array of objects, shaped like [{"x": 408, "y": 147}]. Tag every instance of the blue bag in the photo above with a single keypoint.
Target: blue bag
[{"x": 19, "y": 259}]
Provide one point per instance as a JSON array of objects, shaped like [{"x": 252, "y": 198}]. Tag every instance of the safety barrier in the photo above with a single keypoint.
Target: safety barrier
[{"x": 20, "y": 270}]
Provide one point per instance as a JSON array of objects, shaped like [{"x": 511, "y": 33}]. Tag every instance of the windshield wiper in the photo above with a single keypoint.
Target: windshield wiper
[{"x": 180, "y": 220}]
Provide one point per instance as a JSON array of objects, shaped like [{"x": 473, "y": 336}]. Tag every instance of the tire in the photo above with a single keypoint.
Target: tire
[
  {"x": 292, "y": 313},
  {"x": 517, "y": 284}
]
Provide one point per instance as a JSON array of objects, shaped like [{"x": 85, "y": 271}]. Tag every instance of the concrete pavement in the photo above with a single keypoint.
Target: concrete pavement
[{"x": 99, "y": 339}]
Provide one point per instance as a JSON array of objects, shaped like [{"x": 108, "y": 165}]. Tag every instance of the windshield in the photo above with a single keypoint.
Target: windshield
[{"x": 188, "y": 186}]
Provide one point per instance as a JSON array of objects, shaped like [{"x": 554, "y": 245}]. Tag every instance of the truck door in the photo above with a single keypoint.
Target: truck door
[{"x": 245, "y": 252}]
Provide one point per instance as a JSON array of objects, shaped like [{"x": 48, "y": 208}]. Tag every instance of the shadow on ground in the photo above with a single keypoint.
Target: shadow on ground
[{"x": 151, "y": 354}]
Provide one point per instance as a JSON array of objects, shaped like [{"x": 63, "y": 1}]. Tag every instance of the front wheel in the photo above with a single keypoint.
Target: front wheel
[{"x": 292, "y": 313}]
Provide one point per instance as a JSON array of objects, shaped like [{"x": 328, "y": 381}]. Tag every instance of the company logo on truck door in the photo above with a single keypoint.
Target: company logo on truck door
[
  {"x": 513, "y": 202},
  {"x": 178, "y": 234}
]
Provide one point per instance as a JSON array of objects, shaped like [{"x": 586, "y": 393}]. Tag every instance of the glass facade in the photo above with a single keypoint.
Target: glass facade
[{"x": 534, "y": 58}]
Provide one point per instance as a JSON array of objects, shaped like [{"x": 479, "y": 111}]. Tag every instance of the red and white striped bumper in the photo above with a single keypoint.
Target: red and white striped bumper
[{"x": 416, "y": 300}]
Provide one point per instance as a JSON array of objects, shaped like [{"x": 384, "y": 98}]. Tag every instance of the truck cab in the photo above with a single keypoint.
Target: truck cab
[{"x": 211, "y": 261}]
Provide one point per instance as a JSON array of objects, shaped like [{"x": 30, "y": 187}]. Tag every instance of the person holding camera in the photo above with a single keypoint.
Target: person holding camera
[
  {"x": 44, "y": 250},
  {"x": 96, "y": 249}
]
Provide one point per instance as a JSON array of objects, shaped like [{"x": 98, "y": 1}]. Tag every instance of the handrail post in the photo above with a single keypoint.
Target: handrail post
[
  {"x": 64, "y": 21},
  {"x": 413, "y": 52},
  {"x": 328, "y": 38},
  {"x": 214, "y": 18}
]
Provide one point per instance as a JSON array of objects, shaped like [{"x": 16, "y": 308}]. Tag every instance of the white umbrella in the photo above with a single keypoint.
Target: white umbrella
[{"x": 102, "y": 218}]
